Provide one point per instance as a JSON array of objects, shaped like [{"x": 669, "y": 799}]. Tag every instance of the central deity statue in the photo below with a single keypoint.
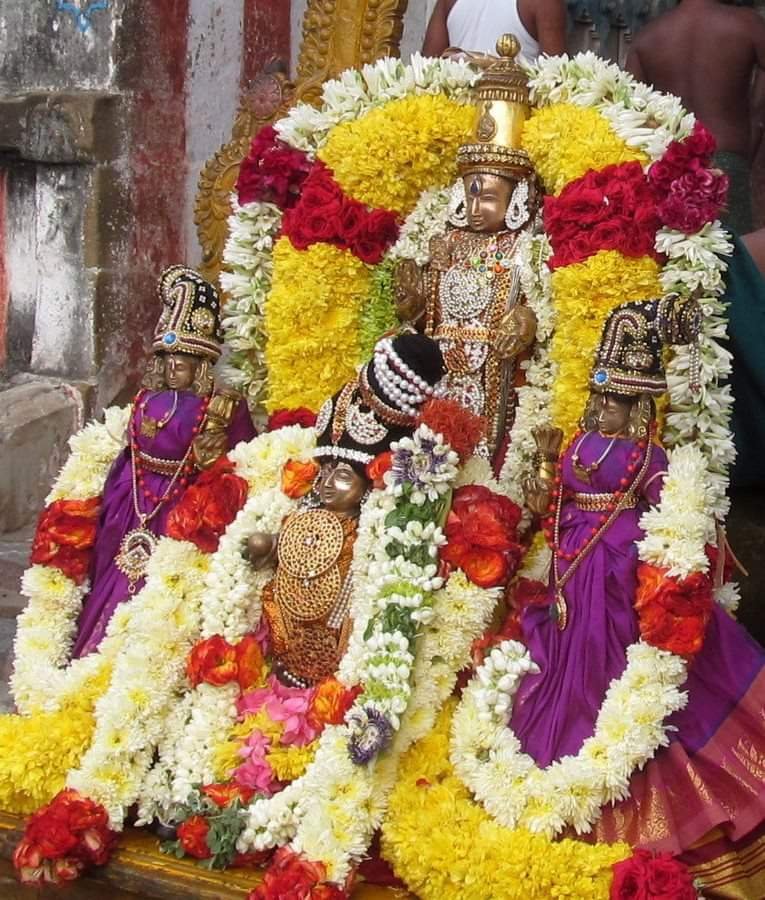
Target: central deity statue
[{"x": 468, "y": 297}]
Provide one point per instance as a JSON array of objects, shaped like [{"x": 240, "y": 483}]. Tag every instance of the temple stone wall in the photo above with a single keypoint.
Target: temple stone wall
[{"x": 106, "y": 118}]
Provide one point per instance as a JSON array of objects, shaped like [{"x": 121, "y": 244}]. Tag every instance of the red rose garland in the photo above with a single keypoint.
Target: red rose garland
[
  {"x": 612, "y": 209},
  {"x": 648, "y": 876},
  {"x": 324, "y": 214}
]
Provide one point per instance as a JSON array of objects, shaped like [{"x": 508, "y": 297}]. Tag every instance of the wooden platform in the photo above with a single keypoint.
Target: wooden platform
[{"x": 138, "y": 869}]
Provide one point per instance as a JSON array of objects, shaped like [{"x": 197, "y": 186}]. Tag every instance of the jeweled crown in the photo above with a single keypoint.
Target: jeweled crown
[{"x": 190, "y": 318}]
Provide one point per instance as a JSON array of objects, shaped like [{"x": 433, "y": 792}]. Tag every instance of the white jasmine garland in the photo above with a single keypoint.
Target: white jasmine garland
[
  {"x": 533, "y": 398},
  {"x": 427, "y": 220},
  {"x": 247, "y": 276},
  {"x": 571, "y": 791},
  {"x": 44, "y": 676}
]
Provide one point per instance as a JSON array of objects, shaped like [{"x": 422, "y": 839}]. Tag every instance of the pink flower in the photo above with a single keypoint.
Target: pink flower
[
  {"x": 256, "y": 773},
  {"x": 287, "y": 705}
]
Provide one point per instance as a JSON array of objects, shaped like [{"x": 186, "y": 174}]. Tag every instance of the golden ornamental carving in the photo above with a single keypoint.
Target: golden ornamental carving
[{"x": 337, "y": 35}]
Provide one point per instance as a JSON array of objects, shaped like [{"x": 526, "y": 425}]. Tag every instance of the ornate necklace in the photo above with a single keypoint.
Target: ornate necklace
[
  {"x": 138, "y": 544},
  {"x": 583, "y": 472},
  {"x": 149, "y": 425}
]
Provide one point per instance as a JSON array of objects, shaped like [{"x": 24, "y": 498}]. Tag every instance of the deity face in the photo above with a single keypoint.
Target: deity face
[
  {"x": 341, "y": 488},
  {"x": 613, "y": 413},
  {"x": 488, "y": 197},
  {"x": 180, "y": 371}
]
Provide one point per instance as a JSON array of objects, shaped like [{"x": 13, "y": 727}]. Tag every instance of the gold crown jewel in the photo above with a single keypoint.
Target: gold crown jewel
[{"x": 501, "y": 97}]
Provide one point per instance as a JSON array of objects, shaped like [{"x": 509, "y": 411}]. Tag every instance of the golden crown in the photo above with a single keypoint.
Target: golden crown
[{"x": 501, "y": 97}]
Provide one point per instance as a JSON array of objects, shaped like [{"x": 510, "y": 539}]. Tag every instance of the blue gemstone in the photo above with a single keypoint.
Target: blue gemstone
[
  {"x": 170, "y": 338},
  {"x": 601, "y": 377}
]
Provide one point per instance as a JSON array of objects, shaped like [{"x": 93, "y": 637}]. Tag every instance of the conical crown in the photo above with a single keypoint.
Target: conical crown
[{"x": 502, "y": 105}]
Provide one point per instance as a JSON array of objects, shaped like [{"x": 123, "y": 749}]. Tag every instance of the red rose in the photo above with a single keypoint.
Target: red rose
[
  {"x": 380, "y": 231},
  {"x": 291, "y": 877},
  {"x": 272, "y": 171},
  {"x": 192, "y": 835},
  {"x": 208, "y": 506},
  {"x": 212, "y": 661},
  {"x": 284, "y": 417},
  {"x": 65, "y": 535},
  {"x": 352, "y": 219},
  {"x": 645, "y": 876},
  {"x": 701, "y": 143},
  {"x": 378, "y": 467},
  {"x": 481, "y": 535},
  {"x": 63, "y": 837}
]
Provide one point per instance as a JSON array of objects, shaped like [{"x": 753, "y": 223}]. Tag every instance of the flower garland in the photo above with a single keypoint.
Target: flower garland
[
  {"x": 44, "y": 678},
  {"x": 308, "y": 363},
  {"x": 426, "y": 99},
  {"x": 533, "y": 398},
  {"x": 571, "y": 791},
  {"x": 229, "y": 607},
  {"x": 246, "y": 279},
  {"x": 147, "y": 672},
  {"x": 468, "y": 855}
]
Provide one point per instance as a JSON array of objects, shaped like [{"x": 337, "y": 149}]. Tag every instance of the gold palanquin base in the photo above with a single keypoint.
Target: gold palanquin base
[{"x": 138, "y": 869}]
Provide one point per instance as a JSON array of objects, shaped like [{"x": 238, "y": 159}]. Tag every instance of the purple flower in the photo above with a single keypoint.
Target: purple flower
[{"x": 371, "y": 732}]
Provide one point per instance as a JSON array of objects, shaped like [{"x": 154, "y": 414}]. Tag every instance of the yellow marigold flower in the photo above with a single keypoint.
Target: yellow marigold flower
[
  {"x": 465, "y": 853},
  {"x": 289, "y": 763},
  {"x": 387, "y": 157},
  {"x": 565, "y": 141},
  {"x": 584, "y": 294},
  {"x": 312, "y": 322}
]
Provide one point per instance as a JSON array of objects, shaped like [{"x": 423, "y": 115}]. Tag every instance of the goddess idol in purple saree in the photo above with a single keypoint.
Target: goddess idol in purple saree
[
  {"x": 703, "y": 796},
  {"x": 179, "y": 425}
]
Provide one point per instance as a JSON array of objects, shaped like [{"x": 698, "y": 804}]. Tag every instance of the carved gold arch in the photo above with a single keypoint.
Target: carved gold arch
[{"x": 337, "y": 35}]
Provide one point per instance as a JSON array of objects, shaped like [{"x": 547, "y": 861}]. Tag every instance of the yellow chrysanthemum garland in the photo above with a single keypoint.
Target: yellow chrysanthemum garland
[
  {"x": 585, "y": 293},
  {"x": 566, "y": 141},
  {"x": 444, "y": 845},
  {"x": 36, "y": 752},
  {"x": 312, "y": 323},
  {"x": 388, "y": 156}
]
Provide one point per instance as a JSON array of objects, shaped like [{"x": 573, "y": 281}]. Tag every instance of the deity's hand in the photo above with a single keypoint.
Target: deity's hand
[
  {"x": 516, "y": 332},
  {"x": 538, "y": 494},
  {"x": 209, "y": 446},
  {"x": 261, "y": 549},
  {"x": 408, "y": 291}
]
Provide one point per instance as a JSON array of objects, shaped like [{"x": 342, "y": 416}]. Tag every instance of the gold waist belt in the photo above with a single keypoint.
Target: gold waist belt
[
  {"x": 157, "y": 465},
  {"x": 461, "y": 333},
  {"x": 600, "y": 502}
]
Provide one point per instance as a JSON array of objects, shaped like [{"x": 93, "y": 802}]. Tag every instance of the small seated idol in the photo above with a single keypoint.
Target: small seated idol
[
  {"x": 179, "y": 425},
  {"x": 468, "y": 297},
  {"x": 612, "y": 472},
  {"x": 306, "y": 603}
]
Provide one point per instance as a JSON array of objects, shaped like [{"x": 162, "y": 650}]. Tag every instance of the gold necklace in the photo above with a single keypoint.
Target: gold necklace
[
  {"x": 583, "y": 472},
  {"x": 138, "y": 544},
  {"x": 149, "y": 425}
]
